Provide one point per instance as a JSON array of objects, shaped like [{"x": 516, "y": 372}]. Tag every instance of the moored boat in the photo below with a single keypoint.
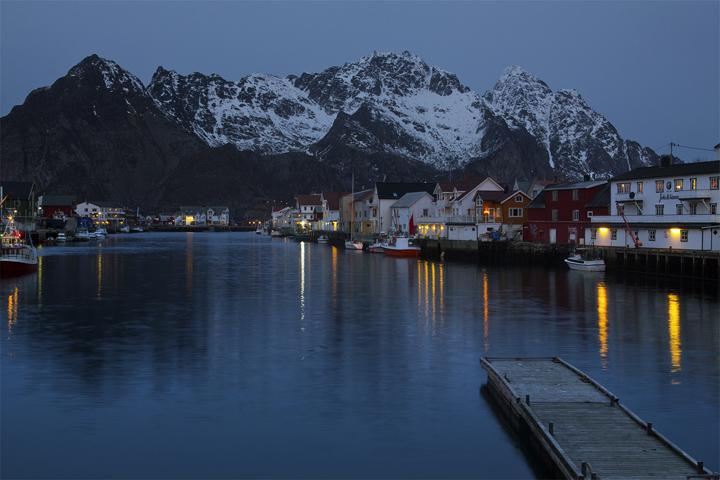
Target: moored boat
[
  {"x": 577, "y": 262},
  {"x": 352, "y": 245},
  {"x": 82, "y": 235},
  {"x": 125, "y": 229},
  {"x": 322, "y": 239},
  {"x": 17, "y": 254},
  {"x": 61, "y": 238},
  {"x": 401, "y": 247}
]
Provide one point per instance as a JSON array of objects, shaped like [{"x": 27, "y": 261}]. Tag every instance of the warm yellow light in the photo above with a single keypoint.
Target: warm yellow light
[
  {"x": 188, "y": 219},
  {"x": 603, "y": 229},
  {"x": 486, "y": 212},
  {"x": 675, "y": 231}
]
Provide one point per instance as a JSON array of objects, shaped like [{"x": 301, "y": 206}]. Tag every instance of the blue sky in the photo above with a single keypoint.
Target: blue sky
[{"x": 652, "y": 68}]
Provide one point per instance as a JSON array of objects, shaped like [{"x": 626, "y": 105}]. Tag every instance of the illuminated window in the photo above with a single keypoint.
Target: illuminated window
[
  {"x": 613, "y": 234},
  {"x": 678, "y": 184},
  {"x": 714, "y": 181},
  {"x": 623, "y": 187},
  {"x": 651, "y": 235},
  {"x": 640, "y": 187},
  {"x": 659, "y": 187},
  {"x": 683, "y": 235},
  {"x": 693, "y": 184},
  {"x": 659, "y": 209}
]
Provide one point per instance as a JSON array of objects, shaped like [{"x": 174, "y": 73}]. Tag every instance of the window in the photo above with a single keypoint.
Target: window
[
  {"x": 554, "y": 215},
  {"x": 678, "y": 184},
  {"x": 518, "y": 198},
  {"x": 613, "y": 234},
  {"x": 713, "y": 209},
  {"x": 659, "y": 187},
  {"x": 515, "y": 212},
  {"x": 679, "y": 209},
  {"x": 589, "y": 214},
  {"x": 651, "y": 235},
  {"x": 659, "y": 209},
  {"x": 622, "y": 187},
  {"x": 576, "y": 215},
  {"x": 693, "y": 184},
  {"x": 425, "y": 212},
  {"x": 640, "y": 187},
  {"x": 683, "y": 235},
  {"x": 714, "y": 181},
  {"x": 693, "y": 209},
  {"x": 593, "y": 233},
  {"x": 575, "y": 195},
  {"x": 554, "y": 195}
]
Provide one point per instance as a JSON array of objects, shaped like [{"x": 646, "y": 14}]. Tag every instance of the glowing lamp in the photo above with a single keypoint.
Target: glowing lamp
[
  {"x": 603, "y": 230},
  {"x": 675, "y": 231},
  {"x": 188, "y": 219}
]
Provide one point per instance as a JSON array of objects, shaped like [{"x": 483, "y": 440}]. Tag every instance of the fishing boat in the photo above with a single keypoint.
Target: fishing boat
[
  {"x": 137, "y": 229},
  {"x": 352, "y": 245},
  {"x": 61, "y": 238},
  {"x": 577, "y": 262},
  {"x": 379, "y": 245},
  {"x": 99, "y": 233},
  {"x": 17, "y": 254},
  {"x": 401, "y": 247},
  {"x": 125, "y": 229},
  {"x": 82, "y": 235},
  {"x": 322, "y": 239}
]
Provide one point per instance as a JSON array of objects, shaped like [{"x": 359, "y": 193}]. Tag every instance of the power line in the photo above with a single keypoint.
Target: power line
[{"x": 691, "y": 148}]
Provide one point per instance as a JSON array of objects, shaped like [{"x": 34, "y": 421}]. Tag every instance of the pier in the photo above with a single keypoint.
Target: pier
[{"x": 578, "y": 427}]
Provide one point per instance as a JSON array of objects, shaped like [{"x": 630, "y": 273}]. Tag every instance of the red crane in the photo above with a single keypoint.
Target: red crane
[{"x": 629, "y": 230}]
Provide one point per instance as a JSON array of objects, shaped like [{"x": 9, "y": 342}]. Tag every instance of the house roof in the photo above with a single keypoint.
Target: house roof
[
  {"x": 677, "y": 169},
  {"x": 333, "y": 199},
  {"x": 601, "y": 199},
  {"x": 575, "y": 185},
  {"x": 103, "y": 203},
  {"x": 491, "y": 195},
  {"x": 188, "y": 209},
  {"x": 538, "y": 201},
  {"x": 58, "y": 200},
  {"x": 312, "y": 199},
  {"x": 410, "y": 199},
  {"x": 217, "y": 209},
  {"x": 461, "y": 185},
  {"x": 361, "y": 195},
  {"x": 395, "y": 190},
  {"x": 512, "y": 194},
  {"x": 17, "y": 190},
  {"x": 523, "y": 185}
]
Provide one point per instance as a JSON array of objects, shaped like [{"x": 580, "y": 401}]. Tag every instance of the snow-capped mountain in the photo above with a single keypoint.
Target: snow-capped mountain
[{"x": 395, "y": 104}]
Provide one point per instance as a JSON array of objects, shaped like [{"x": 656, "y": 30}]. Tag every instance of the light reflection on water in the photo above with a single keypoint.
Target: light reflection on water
[{"x": 157, "y": 339}]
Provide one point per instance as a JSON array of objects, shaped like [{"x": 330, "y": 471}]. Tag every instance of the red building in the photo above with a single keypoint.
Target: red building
[
  {"x": 561, "y": 212},
  {"x": 58, "y": 207}
]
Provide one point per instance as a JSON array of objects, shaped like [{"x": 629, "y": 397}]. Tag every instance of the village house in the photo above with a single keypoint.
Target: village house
[
  {"x": 560, "y": 213},
  {"x": 385, "y": 195},
  {"x": 330, "y": 211},
  {"x": 102, "y": 213},
  {"x": 409, "y": 209},
  {"x": 310, "y": 208},
  {"x": 19, "y": 199},
  {"x": 57, "y": 207},
  {"x": 668, "y": 206},
  {"x": 514, "y": 212},
  {"x": 356, "y": 209},
  {"x": 488, "y": 210}
]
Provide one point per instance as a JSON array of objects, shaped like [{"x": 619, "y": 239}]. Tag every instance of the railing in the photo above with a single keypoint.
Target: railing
[{"x": 638, "y": 220}]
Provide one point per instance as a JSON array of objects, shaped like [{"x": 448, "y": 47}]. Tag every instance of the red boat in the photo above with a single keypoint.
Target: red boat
[
  {"x": 17, "y": 256},
  {"x": 401, "y": 247}
]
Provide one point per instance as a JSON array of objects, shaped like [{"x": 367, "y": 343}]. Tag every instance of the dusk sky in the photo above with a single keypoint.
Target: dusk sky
[{"x": 652, "y": 68}]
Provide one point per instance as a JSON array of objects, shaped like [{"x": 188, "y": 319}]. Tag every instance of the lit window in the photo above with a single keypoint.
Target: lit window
[
  {"x": 659, "y": 187},
  {"x": 683, "y": 235},
  {"x": 714, "y": 181},
  {"x": 613, "y": 234},
  {"x": 659, "y": 209},
  {"x": 651, "y": 235},
  {"x": 678, "y": 184},
  {"x": 623, "y": 187},
  {"x": 679, "y": 209},
  {"x": 640, "y": 187},
  {"x": 693, "y": 184}
]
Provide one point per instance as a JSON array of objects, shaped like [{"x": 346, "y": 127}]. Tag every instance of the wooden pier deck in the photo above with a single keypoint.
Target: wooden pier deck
[{"x": 581, "y": 429}]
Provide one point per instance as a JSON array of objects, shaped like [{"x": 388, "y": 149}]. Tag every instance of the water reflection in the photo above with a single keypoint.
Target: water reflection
[
  {"x": 40, "y": 280},
  {"x": 99, "y": 268},
  {"x": 486, "y": 311},
  {"x": 674, "y": 331},
  {"x": 602, "y": 305},
  {"x": 189, "y": 262},
  {"x": 302, "y": 282},
  {"x": 12, "y": 310}
]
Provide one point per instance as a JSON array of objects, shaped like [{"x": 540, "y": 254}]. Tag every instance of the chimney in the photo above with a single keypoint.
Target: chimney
[{"x": 717, "y": 151}]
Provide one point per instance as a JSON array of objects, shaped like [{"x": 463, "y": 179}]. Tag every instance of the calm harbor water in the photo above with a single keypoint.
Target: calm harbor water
[{"x": 227, "y": 355}]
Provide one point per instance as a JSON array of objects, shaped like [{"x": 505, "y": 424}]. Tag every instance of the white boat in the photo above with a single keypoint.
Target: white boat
[
  {"x": 577, "y": 262},
  {"x": 82, "y": 235},
  {"x": 322, "y": 239},
  {"x": 401, "y": 247},
  {"x": 125, "y": 229},
  {"x": 377, "y": 247},
  {"x": 258, "y": 231},
  {"x": 351, "y": 245},
  {"x": 99, "y": 233},
  {"x": 61, "y": 238},
  {"x": 275, "y": 233},
  {"x": 137, "y": 228}
]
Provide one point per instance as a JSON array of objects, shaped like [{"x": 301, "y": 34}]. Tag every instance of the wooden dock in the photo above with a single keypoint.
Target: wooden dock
[{"x": 579, "y": 428}]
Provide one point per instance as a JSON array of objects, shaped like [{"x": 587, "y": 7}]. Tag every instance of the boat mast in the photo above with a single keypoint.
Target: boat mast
[{"x": 352, "y": 203}]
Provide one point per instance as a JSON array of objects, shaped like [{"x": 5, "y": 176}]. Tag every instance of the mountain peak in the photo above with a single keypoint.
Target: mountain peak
[{"x": 95, "y": 68}]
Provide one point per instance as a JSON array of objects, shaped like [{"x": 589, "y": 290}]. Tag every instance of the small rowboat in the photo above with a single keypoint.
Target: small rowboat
[
  {"x": 577, "y": 262},
  {"x": 401, "y": 247},
  {"x": 322, "y": 239}
]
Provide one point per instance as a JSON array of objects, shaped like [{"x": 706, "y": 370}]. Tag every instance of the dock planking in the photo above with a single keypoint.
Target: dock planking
[{"x": 581, "y": 428}]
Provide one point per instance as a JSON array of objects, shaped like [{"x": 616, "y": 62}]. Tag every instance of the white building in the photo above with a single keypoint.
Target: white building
[
  {"x": 670, "y": 206},
  {"x": 330, "y": 209},
  {"x": 102, "y": 213},
  {"x": 385, "y": 195},
  {"x": 415, "y": 205}
]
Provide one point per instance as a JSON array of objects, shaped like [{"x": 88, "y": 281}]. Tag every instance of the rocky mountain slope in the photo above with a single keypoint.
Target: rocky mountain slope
[{"x": 98, "y": 131}]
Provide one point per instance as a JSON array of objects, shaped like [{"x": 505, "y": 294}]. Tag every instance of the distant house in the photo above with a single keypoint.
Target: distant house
[
  {"x": 559, "y": 214},
  {"x": 330, "y": 210},
  {"x": 356, "y": 210},
  {"x": 514, "y": 211},
  {"x": 217, "y": 215},
  {"x": 57, "y": 207},
  {"x": 191, "y": 215},
  {"x": 20, "y": 200},
  {"x": 488, "y": 210},
  {"x": 310, "y": 208},
  {"x": 102, "y": 212},
  {"x": 385, "y": 195},
  {"x": 415, "y": 205}
]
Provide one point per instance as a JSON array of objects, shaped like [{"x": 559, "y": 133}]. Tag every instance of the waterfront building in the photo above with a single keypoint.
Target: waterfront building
[
  {"x": 514, "y": 212},
  {"x": 56, "y": 207},
  {"x": 385, "y": 195},
  {"x": 19, "y": 200},
  {"x": 310, "y": 208},
  {"x": 488, "y": 210},
  {"x": 218, "y": 215},
  {"x": 104, "y": 213},
  {"x": 189, "y": 216},
  {"x": 330, "y": 211},
  {"x": 360, "y": 203},
  {"x": 561, "y": 212},
  {"x": 667, "y": 206},
  {"x": 416, "y": 205}
]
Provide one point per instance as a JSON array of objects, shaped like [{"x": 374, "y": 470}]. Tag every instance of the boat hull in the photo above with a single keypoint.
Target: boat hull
[
  {"x": 14, "y": 268},
  {"x": 353, "y": 246},
  {"x": 376, "y": 249},
  {"x": 592, "y": 266},
  {"x": 401, "y": 252}
]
